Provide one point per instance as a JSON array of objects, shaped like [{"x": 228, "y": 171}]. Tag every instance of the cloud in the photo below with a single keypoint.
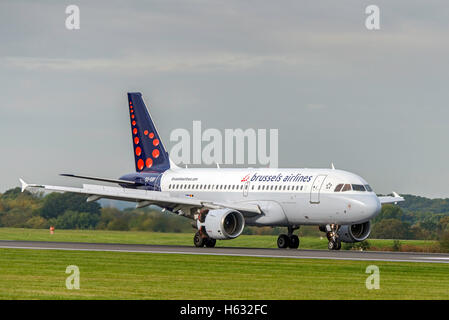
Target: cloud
[{"x": 145, "y": 64}]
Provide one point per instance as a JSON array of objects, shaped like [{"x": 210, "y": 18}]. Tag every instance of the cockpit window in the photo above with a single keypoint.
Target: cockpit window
[
  {"x": 338, "y": 188},
  {"x": 358, "y": 187},
  {"x": 368, "y": 188},
  {"x": 347, "y": 187}
]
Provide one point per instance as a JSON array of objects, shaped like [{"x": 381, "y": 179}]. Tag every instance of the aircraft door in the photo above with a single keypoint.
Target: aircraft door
[
  {"x": 316, "y": 187},
  {"x": 246, "y": 189}
]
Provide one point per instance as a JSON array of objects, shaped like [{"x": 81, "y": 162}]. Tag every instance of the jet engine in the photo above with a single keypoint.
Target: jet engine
[
  {"x": 354, "y": 232},
  {"x": 223, "y": 224}
]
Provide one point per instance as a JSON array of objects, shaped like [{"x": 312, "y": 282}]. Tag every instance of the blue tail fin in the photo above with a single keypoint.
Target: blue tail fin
[{"x": 149, "y": 152}]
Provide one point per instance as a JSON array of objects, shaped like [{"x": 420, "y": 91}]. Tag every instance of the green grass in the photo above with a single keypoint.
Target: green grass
[
  {"x": 40, "y": 274},
  {"x": 141, "y": 237}
]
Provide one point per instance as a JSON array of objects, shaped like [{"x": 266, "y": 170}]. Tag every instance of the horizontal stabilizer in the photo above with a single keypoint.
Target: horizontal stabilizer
[{"x": 119, "y": 181}]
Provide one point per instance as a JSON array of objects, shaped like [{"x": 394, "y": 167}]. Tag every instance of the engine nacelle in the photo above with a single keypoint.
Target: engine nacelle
[
  {"x": 223, "y": 224},
  {"x": 354, "y": 232}
]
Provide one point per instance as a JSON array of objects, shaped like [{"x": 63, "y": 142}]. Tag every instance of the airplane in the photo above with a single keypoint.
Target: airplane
[{"x": 222, "y": 201}]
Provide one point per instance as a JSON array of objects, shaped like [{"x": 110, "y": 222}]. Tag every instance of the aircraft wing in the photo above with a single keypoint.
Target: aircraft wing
[
  {"x": 145, "y": 197},
  {"x": 391, "y": 199}
]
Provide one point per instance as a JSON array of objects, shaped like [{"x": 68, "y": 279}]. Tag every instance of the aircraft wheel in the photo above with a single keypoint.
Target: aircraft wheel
[
  {"x": 294, "y": 242},
  {"x": 283, "y": 241},
  {"x": 338, "y": 247},
  {"x": 210, "y": 243},
  {"x": 198, "y": 240},
  {"x": 334, "y": 245}
]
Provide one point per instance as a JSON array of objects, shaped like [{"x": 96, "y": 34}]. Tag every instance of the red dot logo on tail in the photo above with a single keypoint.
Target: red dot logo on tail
[
  {"x": 140, "y": 164},
  {"x": 149, "y": 162},
  {"x": 155, "y": 153}
]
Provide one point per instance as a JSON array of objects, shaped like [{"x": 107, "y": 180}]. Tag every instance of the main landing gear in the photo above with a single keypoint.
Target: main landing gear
[
  {"x": 199, "y": 240},
  {"x": 289, "y": 240}
]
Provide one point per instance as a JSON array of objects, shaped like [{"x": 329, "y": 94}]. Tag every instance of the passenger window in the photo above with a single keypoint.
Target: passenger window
[
  {"x": 347, "y": 187},
  {"x": 338, "y": 188},
  {"x": 358, "y": 187}
]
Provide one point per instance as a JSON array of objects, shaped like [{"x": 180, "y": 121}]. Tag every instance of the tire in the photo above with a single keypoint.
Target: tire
[
  {"x": 338, "y": 247},
  {"x": 331, "y": 245},
  {"x": 293, "y": 242},
  {"x": 198, "y": 241},
  {"x": 283, "y": 241},
  {"x": 210, "y": 243}
]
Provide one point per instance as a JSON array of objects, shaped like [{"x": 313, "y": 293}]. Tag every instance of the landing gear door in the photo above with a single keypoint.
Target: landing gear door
[
  {"x": 316, "y": 187},
  {"x": 245, "y": 189}
]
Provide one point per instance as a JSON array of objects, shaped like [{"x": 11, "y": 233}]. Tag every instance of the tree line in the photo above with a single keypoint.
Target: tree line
[{"x": 416, "y": 218}]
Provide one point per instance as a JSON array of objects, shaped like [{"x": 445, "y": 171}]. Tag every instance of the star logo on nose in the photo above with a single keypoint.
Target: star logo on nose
[{"x": 328, "y": 186}]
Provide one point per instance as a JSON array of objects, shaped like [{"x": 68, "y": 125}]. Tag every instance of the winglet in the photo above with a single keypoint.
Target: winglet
[
  {"x": 24, "y": 184},
  {"x": 395, "y": 195}
]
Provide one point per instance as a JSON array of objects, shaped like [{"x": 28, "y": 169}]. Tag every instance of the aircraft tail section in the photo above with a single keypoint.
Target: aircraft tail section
[{"x": 149, "y": 152}]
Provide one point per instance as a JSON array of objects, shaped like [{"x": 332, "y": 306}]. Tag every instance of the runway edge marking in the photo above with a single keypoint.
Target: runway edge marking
[{"x": 427, "y": 260}]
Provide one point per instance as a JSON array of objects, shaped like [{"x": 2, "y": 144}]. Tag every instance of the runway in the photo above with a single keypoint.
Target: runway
[{"x": 223, "y": 251}]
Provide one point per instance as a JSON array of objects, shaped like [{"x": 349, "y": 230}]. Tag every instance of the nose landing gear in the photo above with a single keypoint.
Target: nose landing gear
[{"x": 332, "y": 237}]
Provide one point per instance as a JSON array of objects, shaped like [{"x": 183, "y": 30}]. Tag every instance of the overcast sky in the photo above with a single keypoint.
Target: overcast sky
[{"x": 372, "y": 102}]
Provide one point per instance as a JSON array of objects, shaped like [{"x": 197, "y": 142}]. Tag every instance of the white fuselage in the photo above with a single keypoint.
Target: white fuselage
[{"x": 285, "y": 196}]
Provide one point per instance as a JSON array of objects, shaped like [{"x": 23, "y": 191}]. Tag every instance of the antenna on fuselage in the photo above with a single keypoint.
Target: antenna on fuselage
[
  {"x": 218, "y": 166},
  {"x": 332, "y": 166}
]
